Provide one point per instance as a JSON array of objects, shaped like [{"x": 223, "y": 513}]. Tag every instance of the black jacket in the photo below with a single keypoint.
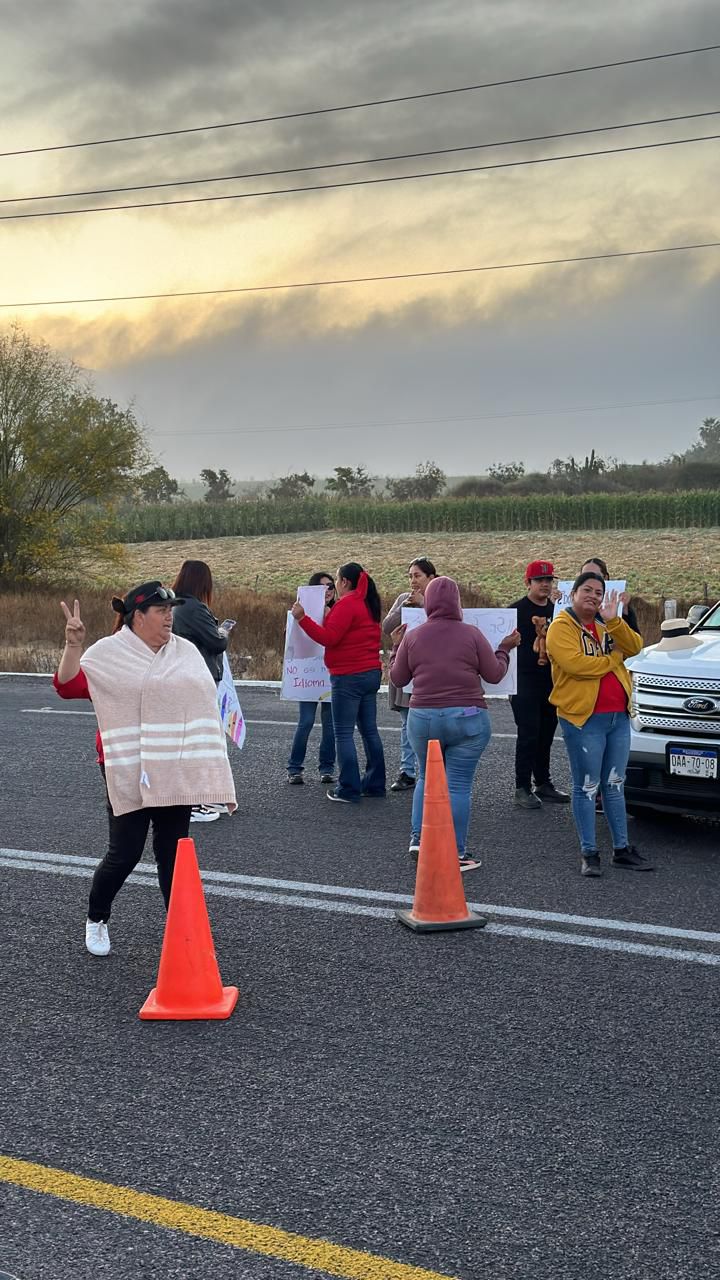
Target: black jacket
[
  {"x": 194, "y": 621},
  {"x": 532, "y": 679}
]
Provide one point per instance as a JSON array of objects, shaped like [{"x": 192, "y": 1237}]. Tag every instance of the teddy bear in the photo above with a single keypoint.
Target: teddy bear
[{"x": 539, "y": 645}]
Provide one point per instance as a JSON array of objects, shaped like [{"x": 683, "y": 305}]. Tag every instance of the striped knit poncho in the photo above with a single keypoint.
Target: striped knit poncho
[{"x": 159, "y": 722}]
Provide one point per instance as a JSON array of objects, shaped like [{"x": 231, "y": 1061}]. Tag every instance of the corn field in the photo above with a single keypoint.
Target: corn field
[{"x": 165, "y": 522}]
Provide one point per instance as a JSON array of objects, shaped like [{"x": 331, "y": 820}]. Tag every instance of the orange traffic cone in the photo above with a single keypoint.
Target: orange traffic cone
[
  {"x": 439, "y": 901},
  {"x": 188, "y": 984}
]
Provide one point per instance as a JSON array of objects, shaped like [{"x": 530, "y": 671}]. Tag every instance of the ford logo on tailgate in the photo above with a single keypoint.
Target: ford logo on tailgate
[{"x": 702, "y": 705}]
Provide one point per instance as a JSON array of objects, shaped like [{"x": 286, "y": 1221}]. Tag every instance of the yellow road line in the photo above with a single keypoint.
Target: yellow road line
[{"x": 238, "y": 1233}]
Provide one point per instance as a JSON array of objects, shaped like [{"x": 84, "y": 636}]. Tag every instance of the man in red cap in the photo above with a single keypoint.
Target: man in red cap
[{"x": 535, "y": 717}]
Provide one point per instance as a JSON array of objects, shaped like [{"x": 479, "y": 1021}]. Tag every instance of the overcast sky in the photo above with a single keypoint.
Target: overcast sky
[{"x": 464, "y": 369}]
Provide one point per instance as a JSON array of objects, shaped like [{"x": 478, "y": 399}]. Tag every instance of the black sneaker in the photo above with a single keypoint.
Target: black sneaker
[
  {"x": 327, "y": 777},
  {"x": 296, "y": 780},
  {"x": 403, "y": 782},
  {"x": 590, "y": 865},
  {"x": 526, "y": 799},
  {"x": 546, "y": 791},
  {"x": 630, "y": 859}
]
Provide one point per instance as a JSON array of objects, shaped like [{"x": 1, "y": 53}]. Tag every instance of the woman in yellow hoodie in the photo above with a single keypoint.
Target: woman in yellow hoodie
[{"x": 587, "y": 645}]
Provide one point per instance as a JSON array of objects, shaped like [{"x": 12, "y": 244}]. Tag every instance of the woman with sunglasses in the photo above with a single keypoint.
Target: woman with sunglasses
[
  {"x": 420, "y": 573},
  {"x": 351, "y": 638},
  {"x": 308, "y": 710},
  {"x": 160, "y": 741}
]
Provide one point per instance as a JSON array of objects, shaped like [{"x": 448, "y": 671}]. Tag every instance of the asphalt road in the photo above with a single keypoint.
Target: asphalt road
[{"x": 537, "y": 1099}]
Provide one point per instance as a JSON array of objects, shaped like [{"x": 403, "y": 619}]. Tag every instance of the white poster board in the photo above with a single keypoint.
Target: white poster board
[
  {"x": 230, "y": 709},
  {"x": 305, "y": 677},
  {"x": 565, "y": 586},
  {"x": 494, "y": 624}
]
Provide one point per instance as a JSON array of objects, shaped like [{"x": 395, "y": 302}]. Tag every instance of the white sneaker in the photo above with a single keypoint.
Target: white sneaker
[
  {"x": 97, "y": 938},
  {"x": 203, "y": 813}
]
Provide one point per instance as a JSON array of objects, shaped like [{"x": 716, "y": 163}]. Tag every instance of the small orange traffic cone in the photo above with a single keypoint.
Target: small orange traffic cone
[
  {"x": 439, "y": 901},
  {"x": 189, "y": 984}
]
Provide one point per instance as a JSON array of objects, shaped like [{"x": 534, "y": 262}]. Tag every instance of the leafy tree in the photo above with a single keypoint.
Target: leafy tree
[
  {"x": 428, "y": 482},
  {"x": 292, "y": 487},
  {"x": 66, "y": 455},
  {"x": 505, "y": 472},
  {"x": 707, "y": 445},
  {"x": 217, "y": 485},
  {"x": 157, "y": 486},
  {"x": 350, "y": 482}
]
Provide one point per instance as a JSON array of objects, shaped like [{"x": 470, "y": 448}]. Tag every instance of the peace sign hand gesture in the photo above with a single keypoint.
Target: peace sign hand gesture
[{"x": 74, "y": 626}]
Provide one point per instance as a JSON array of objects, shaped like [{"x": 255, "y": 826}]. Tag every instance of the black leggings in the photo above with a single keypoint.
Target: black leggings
[{"x": 127, "y": 836}]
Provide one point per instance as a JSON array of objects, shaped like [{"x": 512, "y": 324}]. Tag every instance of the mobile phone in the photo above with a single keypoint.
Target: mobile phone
[{"x": 228, "y": 624}]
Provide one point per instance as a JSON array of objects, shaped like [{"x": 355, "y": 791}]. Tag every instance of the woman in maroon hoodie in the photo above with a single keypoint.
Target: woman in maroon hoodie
[
  {"x": 351, "y": 636},
  {"x": 446, "y": 658}
]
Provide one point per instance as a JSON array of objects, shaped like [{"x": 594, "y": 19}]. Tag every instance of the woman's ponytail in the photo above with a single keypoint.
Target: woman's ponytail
[{"x": 352, "y": 572}]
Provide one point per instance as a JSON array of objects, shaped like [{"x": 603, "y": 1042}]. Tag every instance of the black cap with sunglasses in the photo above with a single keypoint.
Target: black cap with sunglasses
[{"x": 142, "y": 597}]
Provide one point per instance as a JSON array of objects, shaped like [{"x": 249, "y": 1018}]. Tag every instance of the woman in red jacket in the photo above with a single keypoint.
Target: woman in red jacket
[{"x": 351, "y": 637}]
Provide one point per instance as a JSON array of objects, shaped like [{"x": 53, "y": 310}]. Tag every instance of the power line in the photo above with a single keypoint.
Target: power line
[
  {"x": 358, "y": 106},
  {"x": 398, "y": 275},
  {"x": 298, "y": 429},
  {"x": 344, "y": 164},
  {"x": 356, "y": 182}
]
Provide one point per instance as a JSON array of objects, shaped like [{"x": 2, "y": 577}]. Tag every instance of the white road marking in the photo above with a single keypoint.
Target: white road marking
[
  {"x": 303, "y": 894},
  {"x": 291, "y": 724}
]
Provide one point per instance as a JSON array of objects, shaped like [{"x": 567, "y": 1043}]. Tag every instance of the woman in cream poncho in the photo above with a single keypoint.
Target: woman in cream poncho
[{"x": 161, "y": 745}]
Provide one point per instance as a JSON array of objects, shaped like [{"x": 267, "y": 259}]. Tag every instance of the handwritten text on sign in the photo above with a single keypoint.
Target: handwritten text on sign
[
  {"x": 305, "y": 676},
  {"x": 565, "y": 587}
]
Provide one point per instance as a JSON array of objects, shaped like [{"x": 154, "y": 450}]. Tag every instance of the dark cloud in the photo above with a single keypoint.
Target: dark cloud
[
  {"x": 173, "y": 63},
  {"x": 656, "y": 340}
]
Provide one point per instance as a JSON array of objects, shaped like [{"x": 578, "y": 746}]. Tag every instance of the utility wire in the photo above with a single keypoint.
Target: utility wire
[
  {"x": 344, "y": 164},
  {"x": 299, "y": 429},
  {"x": 358, "y": 106},
  {"x": 357, "y": 182},
  {"x": 399, "y": 275}
]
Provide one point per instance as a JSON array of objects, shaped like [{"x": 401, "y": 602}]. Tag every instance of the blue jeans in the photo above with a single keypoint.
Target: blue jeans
[
  {"x": 354, "y": 702},
  {"x": 408, "y": 759},
  {"x": 306, "y": 720},
  {"x": 463, "y": 733},
  {"x": 598, "y": 755}
]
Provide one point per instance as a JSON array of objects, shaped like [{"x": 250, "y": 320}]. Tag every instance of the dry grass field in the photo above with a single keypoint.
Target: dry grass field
[
  {"x": 256, "y": 580},
  {"x": 663, "y": 563}
]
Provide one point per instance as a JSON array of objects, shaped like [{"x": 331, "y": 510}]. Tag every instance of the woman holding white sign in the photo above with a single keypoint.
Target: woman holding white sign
[
  {"x": 446, "y": 658},
  {"x": 421, "y": 572},
  {"x": 596, "y": 565},
  {"x": 308, "y": 710},
  {"x": 587, "y": 646},
  {"x": 351, "y": 638}
]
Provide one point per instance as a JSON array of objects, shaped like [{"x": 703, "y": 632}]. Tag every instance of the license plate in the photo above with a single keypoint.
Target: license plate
[{"x": 692, "y": 762}]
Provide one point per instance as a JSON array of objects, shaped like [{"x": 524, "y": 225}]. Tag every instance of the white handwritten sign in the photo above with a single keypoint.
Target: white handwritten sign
[
  {"x": 305, "y": 676},
  {"x": 566, "y": 586},
  {"x": 494, "y": 624}
]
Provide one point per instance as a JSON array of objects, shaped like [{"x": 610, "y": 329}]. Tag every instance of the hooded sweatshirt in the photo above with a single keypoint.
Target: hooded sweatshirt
[
  {"x": 445, "y": 657},
  {"x": 349, "y": 634},
  {"x": 581, "y": 658}
]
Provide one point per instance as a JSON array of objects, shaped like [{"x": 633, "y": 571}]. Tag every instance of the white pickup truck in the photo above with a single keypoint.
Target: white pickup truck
[{"x": 675, "y": 725}]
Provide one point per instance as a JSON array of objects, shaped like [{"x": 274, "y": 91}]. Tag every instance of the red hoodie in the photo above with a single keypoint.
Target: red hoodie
[
  {"x": 350, "y": 636},
  {"x": 445, "y": 657}
]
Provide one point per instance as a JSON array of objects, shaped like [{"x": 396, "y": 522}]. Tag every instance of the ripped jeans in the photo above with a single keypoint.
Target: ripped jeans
[{"x": 598, "y": 755}]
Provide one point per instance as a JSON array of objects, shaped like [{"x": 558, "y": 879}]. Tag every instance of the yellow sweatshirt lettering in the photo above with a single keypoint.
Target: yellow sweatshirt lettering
[{"x": 579, "y": 662}]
